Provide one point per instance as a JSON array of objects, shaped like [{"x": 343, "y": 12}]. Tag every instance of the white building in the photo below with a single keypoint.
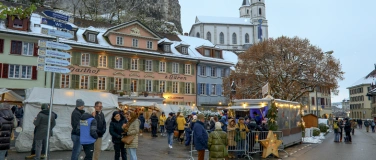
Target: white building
[{"x": 232, "y": 33}]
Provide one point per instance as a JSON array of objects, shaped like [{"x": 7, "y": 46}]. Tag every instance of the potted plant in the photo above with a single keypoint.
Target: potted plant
[
  {"x": 121, "y": 94},
  {"x": 145, "y": 94},
  {"x": 17, "y": 18}
]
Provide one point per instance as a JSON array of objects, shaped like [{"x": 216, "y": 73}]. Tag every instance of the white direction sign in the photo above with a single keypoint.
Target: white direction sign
[
  {"x": 53, "y": 53},
  {"x": 57, "y": 33},
  {"x": 56, "y": 69},
  {"x": 54, "y": 45},
  {"x": 46, "y": 60}
]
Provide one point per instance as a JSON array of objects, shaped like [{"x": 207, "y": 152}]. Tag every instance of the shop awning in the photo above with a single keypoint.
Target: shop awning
[
  {"x": 139, "y": 104},
  {"x": 9, "y": 96}
]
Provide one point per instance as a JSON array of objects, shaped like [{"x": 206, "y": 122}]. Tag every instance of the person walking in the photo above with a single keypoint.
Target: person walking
[
  {"x": 132, "y": 129},
  {"x": 19, "y": 113},
  {"x": 360, "y": 124},
  {"x": 212, "y": 124},
  {"x": 340, "y": 125},
  {"x": 6, "y": 127},
  {"x": 231, "y": 137},
  {"x": 101, "y": 129},
  {"x": 347, "y": 130},
  {"x": 162, "y": 120},
  {"x": 88, "y": 132},
  {"x": 366, "y": 124},
  {"x": 170, "y": 125},
  {"x": 217, "y": 143},
  {"x": 181, "y": 123},
  {"x": 142, "y": 123},
  {"x": 336, "y": 130},
  {"x": 154, "y": 124},
  {"x": 75, "y": 123},
  {"x": 353, "y": 126},
  {"x": 200, "y": 136},
  {"x": 373, "y": 126},
  {"x": 116, "y": 130},
  {"x": 41, "y": 129}
]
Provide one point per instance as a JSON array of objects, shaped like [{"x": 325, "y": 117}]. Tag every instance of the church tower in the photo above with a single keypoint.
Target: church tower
[
  {"x": 245, "y": 9},
  {"x": 258, "y": 10},
  {"x": 258, "y": 17}
]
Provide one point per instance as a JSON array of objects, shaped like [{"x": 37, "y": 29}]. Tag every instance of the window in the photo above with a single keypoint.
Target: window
[
  {"x": 85, "y": 59},
  {"x": 203, "y": 71},
  {"x": 149, "y": 45},
  {"x": 313, "y": 100},
  {"x": 188, "y": 103},
  {"x": 175, "y": 68},
  {"x": 175, "y": 103},
  {"x": 188, "y": 69},
  {"x": 247, "y": 11},
  {"x": 198, "y": 35},
  {"x": 213, "y": 72},
  {"x": 175, "y": 87},
  {"x": 184, "y": 50},
  {"x": 166, "y": 48},
  {"x": 17, "y": 23},
  {"x": 213, "y": 89},
  {"x": 221, "y": 38},
  {"x": 101, "y": 83},
  {"x": 162, "y": 67},
  {"x": 16, "y": 47},
  {"x": 222, "y": 72},
  {"x": 148, "y": 86},
  {"x": 91, "y": 37},
  {"x": 64, "y": 81},
  {"x": 148, "y": 65},
  {"x": 119, "y": 41},
  {"x": 19, "y": 71},
  {"x": 208, "y": 36},
  {"x": 246, "y": 38},
  {"x": 202, "y": 88},
  {"x": 135, "y": 42},
  {"x": 84, "y": 82},
  {"x": 102, "y": 61},
  {"x": 207, "y": 52},
  {"x": 234, "y": 38},
  {"x": 162, "y": 86},
  {"x": 118, "y": 84},
  {"x": 134, "y": 64},
  {"x": 188, "y": 88},
  {"x": 260, "y": 11},
  {"x": 217, "y": 54},
  {"x": 119, "y": 62},
  {"x": 28, "y": 49},
  {"x": 134, "y": 85}
]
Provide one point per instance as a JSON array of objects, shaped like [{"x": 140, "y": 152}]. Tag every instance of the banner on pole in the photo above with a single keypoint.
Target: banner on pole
[{"x": 265, "y": 89}]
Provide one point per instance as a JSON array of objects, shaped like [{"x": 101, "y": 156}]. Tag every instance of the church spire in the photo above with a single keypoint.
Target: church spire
[{"x": 246, "y": 3}]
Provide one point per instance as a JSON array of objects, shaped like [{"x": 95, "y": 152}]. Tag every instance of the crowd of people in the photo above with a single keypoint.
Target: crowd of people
[{"x": 348, "y": 126}]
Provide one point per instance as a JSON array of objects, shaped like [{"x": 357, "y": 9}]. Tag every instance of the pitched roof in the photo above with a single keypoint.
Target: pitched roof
[
  {"x": 130, "y": 23},
  {"x": 370, "y": 78},
  {"x": 223, "y": 20}
]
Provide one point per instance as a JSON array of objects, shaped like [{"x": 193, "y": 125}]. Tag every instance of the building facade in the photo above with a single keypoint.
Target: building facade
[
  {"x": 231, "y": 33},
  {"x": 319, "y": 102}
]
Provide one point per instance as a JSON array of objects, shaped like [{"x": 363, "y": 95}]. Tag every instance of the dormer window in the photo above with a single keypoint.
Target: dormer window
[
  {"x": 166, "y": 48},
  {"x": 91, "y": 37},
  {"x": 184, "y": 50},
  {"x": 17, "y": 23},
  {"x": 217, "y": 54},
  {"x": 119, "y": 40},
  {"x": 207, "y": 53}
]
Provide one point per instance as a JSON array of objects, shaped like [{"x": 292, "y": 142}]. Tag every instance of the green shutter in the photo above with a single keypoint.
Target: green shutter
[
  {"x": 156, "y": 86},
  {"x": 110, "y": 83},
  {"x": 141, "y": 65},
  {"x": 181, "y": 68},
  {"x": 193, "y": 86},
  {"x": 125, "y": 63},
  {"x": 192, "y": 69},
  {"x": 169, "y": 67},
  {"x": 141, "y": 85},
  {"x": 182, "y": 87},
  {"x": 169, "y": 87},
  {"x": 57, "y": 80},
  {"x": 126, "y": 84},
  {"x": 76, "y": 58},
  {"x": 156, "y": 66},
  {"x": 111, "y": 62},
  {"x": 93, "y": 82},
  {"x": 94, "y": 60},
  {"x": 75, "y": 81}
]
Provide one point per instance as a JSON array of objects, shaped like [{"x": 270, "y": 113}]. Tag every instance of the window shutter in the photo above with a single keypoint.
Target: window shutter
[
  {"x": 76, "y": 58},
  {"x": 94, "y": 60},
  {"x": 169, "y": 87},
  {"x": 207, "y": 89},
  {"x": 1, "y": 69},
  {"x": 125, "y": 63},
  {"x": 192, "y": 69},
  {"x": 34, "y": 73},
  {"x": 35, "y": 54},
  {"x": 126, "y": 84},
  {"x": 111, "y": 61},
  {"x": 156, "y": 66},
  {"x": 208, "y": 71},
  {"x": 193, "y": 88},
  {"x": 181, "y": 68},
  {"x": 141, "y": 87},
  {"x": 198, "y": 88},
  {"x": 313, "y": 100},
  {"x": 93, "y": 82},
  {"x": 1, "y": 46},
  {"x": 169, "y": 67},
  {"x": 75, "y": 81},
  {"x": 5, "y": 70},
  {"x": 199, "y": 70},
  {"x": 219, "y": 89},
  {"x": 141, "y": 65},
  {"x": 182, "y": 87},
  {"x": 57, "y": 80},
  {"x": 155, "y": 86}
]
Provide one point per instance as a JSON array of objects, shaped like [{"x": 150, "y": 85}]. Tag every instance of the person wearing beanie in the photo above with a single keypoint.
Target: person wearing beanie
[
  {"x": 224, "y": 124},
  {"x": 41, "y": 129},
  {"x": 75, "y": 121},
  {"x": 217, "y": 143},
  {"x": 116, "y": 130},
  {"x": 162, "y": 120},
  {"x": 88, "y": 132},
  {"x": 200, "y": 136},
  {"x": 170, "y": 127}
]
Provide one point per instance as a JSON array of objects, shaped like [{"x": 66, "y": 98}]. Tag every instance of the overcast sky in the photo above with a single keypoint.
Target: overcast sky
[{"x": 347, "y": 27}]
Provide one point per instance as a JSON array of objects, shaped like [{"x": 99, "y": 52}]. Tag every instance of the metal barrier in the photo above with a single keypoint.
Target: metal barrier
[{"x": 255, "y": 146}]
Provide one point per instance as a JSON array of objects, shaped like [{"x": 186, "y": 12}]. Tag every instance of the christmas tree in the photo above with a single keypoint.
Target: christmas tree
[{"x": 272, "y": 116}]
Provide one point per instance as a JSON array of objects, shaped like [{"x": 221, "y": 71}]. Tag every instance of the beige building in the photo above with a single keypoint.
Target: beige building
[
  {"x": 319, "y": 102},
  {"x": 360, "y": 103}
]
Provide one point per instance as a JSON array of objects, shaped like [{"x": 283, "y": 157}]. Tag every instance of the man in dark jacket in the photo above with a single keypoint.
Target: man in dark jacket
[
  {"x": 101, "y": 128},
  {"x": 142, "y": 124},
  {"x": 154, "y": 124},
  {"x": 170, "y": 125},
  {"x": 75, "y": 122},
  {"x": 41, "y": 128},
  {"x": 347, "y": 129},
  {"x": 19, "y": 115},
  {"x": 6, "y": 126},
  {"x": 116, "y": 130},
  {"x": 87, "y": 128},
  {"x": 200, "y": 136}
]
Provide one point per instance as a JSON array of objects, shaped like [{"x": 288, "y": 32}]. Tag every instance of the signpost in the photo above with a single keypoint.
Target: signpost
[
  {"x": 48, "y": 59},
  {"x": 56, "y": 24}
]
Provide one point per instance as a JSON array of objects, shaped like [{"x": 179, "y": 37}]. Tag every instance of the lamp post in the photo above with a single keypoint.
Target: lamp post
[{"x": 317, "y": 102}]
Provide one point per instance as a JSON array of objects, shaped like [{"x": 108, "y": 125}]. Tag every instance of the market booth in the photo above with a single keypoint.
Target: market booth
[
  {"x": 64, "y": 103},
  {"x": 288, "y": 119},
  {"x": 10, "y": 97}
]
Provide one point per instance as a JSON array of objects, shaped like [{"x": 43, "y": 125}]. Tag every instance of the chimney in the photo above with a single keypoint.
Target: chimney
[{"x": 186, "y": 34}]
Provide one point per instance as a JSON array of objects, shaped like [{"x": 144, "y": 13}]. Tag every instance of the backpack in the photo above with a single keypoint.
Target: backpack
[
  {"x": 336, "y": 126},
  {"x": 366, "y": 123},
  {"x": 373, "y": 124}
]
